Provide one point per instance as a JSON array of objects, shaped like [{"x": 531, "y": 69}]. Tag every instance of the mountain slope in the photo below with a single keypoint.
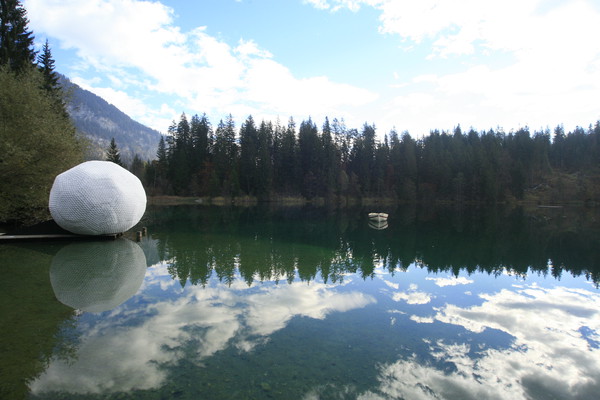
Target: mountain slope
[{"x": 100, "y": 122}]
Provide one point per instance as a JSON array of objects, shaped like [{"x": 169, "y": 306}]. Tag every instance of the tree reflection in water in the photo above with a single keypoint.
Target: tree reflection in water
[{"x": 281, "y": 244}]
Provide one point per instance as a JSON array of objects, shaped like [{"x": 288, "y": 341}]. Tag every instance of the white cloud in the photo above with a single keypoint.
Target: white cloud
[
  {"x": 412, "y": 295},
  {"x": 111, "y": 33},
  {"x": 488, "y": 63},
  {"x": 393, "y": 285},
  {"x": 139, "y": 41},
  {"x": 320, "y": 4},
  {"x": 248, "y": 48},
  {"x": 450, "y": 281},
  {"x": 464, "y": 26},
  {"x": 549, "y": 73},
  {"x": 335, "y": 5},
  {"x": 422, "y": 320}
]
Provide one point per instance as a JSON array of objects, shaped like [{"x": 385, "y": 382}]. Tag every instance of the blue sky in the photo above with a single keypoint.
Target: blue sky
[{"x": 408, "y": 65}]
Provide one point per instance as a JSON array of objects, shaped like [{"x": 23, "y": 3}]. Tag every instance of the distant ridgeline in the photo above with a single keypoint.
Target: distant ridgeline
[{"x": 100, "y": 121}]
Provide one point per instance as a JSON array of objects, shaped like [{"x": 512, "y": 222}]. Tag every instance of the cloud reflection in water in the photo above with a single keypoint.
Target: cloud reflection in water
[
  {"x": 548, "y": 358},
  {"x": 128, "y": 350}
]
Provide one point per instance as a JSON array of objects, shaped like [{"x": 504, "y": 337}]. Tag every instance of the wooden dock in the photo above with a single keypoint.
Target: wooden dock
[{"x": 6, "y": 238}]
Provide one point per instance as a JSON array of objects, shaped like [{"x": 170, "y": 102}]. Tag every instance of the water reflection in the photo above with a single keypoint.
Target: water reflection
[
  {"x": 31, "y": 319},
  {"x": 314, "y": 304},
  {"x": 378, "y": 225},
  {"x": 278, "y": 246},
  {"x": 548, "y": 357},
  {"x": 547, "y": 341},
  {"x": 97, "y": 276},
  {"x": 200, "y": 322}
]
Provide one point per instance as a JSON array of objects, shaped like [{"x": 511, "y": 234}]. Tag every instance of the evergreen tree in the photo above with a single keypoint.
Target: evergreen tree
[
  {"x": 248, "y": 156},
  {"x": 200, "y": 134},
  {"x": 363, "y": 157},
  {"x": 381, "y": 171},
  {"x": 310, "y": 154},
  {"x": 113, "y": 154},
  {"x": 201, "y": 165},
  {"x": 331, "y": 162},
  {"x": 225, "y": 158},
  {"x": 45, "y": 64},
  {"x": 16, "y": 41},
  {"x": 408, "y": 175},
  {"x": 264, "y": 162},
  {"x": 285, "y": 159},
  {"x": 156, "y": 172},
  {"x": 137, "y": 167},
  {"x": 161, "y": 153},
  {"x": 183, "y": 138},
  {"x": 180, "y": 156}
]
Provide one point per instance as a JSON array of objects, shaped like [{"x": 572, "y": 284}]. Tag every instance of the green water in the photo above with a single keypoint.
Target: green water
[{"x": 308, "y": 303}]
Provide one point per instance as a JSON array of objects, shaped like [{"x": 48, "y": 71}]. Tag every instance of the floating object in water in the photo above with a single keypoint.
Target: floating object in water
[
  {"x": 378, "y": 216},
  {"x": 97, "y": 198},
  {"x": 378, "y": 225}
]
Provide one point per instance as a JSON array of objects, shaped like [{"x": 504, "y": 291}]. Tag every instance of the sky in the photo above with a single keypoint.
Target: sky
[{"x": 406, "y": 65}]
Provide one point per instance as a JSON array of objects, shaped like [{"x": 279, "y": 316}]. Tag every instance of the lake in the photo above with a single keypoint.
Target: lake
[{"x": 309, "y": 303}]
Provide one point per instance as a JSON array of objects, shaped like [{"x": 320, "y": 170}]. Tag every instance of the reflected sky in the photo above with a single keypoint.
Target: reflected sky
[
  {"x": 549, "y": 356},
  {"x": 252, "y": 313},
  {"x": 519, "y": 341},
  {"x": 128, "y": 348}
]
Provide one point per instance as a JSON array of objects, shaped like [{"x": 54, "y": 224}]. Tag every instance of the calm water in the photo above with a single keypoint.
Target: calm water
[{"x": 297, "y": 303}]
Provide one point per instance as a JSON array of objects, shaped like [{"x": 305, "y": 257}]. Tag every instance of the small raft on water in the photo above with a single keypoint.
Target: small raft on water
[{"x": 379, "y": 217}]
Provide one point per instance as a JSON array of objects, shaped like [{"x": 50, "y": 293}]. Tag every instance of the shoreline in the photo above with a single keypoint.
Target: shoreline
[{"x": 350, "y": 202}]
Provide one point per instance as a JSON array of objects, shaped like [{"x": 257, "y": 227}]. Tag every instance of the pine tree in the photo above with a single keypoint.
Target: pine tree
[
  {"x": 156, "y": 172},
  {"x": 331, "y": 158},
  {"x": 363, "y": 156},
  {"x": 200, "y": 131},
  {"x": 113, "y": 154},
  {"x": 248, "y": 155},
  {"x": 284, "y": 158},
  {"x": 225, "y": 157},
  {"x": 161, "y": 153},
  {"x": 46, "y": 67},
  {"x": 16, "y": 41},
  {"x": 311, "y": 159},
  {"x": 137, "y": 167},
  {"x": 45, "y": 64},
  {"x": 264, "y": 162}
]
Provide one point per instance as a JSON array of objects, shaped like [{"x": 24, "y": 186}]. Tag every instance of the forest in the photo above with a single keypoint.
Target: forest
[{"x": 268, "y": 161}]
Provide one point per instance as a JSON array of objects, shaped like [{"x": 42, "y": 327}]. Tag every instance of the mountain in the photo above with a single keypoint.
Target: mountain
[{"x": 100, "y": 121}]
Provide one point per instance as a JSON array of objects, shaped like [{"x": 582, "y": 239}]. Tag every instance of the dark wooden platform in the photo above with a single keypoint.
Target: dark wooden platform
[
  {"x": 48, "y": 231},
  {"x": 5, "y": 238}
]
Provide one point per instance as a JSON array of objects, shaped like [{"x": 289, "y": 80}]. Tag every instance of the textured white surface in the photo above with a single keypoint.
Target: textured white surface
[
  {"x": 97, "y": 198},
  {"x": 97, "y": 276}
]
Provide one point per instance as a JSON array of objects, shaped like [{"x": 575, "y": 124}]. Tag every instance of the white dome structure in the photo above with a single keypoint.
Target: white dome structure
[
  {"x": 97, "y": 198},
  {"x": 97, "y": 276}
]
